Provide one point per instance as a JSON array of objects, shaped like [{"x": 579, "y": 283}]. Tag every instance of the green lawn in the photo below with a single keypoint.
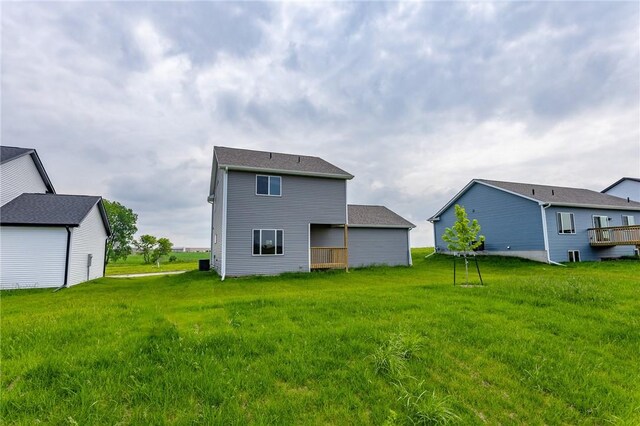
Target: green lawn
[
  {"x": 539, "y": 344},
  {"x": 134, "y": 264}
]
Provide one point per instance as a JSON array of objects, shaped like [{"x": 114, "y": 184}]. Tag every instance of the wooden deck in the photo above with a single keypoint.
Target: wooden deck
[
  {"x": 615, "y": 236},
  {"x": 329, "y": 258}
]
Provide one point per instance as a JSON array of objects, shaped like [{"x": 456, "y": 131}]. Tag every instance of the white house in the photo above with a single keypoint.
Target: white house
[{"x": 46, "y": 239}]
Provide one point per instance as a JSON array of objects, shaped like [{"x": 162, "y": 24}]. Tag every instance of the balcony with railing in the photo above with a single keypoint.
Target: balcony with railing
[
  {"x": 614, "y": 236},
  {"x": 329, "y": 258}
]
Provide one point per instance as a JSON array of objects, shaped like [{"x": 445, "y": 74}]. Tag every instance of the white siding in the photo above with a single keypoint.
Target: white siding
[
  {"x": 32, "y": 257},
  {"x": 19, "y": 176},
  {"x": 87, "y": 239}
]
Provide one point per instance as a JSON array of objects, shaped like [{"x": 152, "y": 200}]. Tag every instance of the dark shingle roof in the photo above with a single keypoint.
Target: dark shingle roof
[
  {"x": 619, "y": 181},
  {"x": 244, "y": 159},
  {"x": 560, "y": 195},
  {"x": 50, "y": 210},
  {"x": 376, "y": 216},
  {"x": 10, "y": 152}
]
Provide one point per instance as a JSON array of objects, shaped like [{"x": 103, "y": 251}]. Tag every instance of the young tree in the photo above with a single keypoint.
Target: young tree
[
  {"x": 123, "y": 226},
  {"x": 153, "y": 248},
  {"x": 163, "y": 248},
  {"x": 463, "y": 236}
]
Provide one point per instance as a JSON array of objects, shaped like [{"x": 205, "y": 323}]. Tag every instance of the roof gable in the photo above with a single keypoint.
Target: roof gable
[
  {"x": 273, "y": 162},
  {"x": 376, "y": 216},
  {"x": 51, "y": 210},
  {"x": 9, "y": 153},
  {"x": 618, "y": 182}
]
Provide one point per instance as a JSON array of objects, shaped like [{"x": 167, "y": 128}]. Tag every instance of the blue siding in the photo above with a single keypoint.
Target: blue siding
[
  {"x": 304, "y": 200},
  {"x": 506, "y": 220},
  {"x": 560, "y": 244}
]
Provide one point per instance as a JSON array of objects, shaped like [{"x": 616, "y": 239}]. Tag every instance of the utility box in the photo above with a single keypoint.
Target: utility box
[
  {"x": 204, "y": 265},
  {"x": 89, "y": 260}
]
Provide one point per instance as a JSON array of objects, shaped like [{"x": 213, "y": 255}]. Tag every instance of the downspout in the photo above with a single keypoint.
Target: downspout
[
  {"x": 223, "y": 265},
  {"x": 545, "y": 233},
  {"x": 104, "y": 263},
  {"x": 409, "y": 246},
  {"x": 66, "y": 261}
]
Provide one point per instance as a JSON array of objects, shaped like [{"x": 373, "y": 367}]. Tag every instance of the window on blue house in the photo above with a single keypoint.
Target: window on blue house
[
  {"x": 268, "y": 185},
  {"x": 566, "y": 223},
  {"x": 268, "y": 242},
  {"x": 628, "y": 220}
]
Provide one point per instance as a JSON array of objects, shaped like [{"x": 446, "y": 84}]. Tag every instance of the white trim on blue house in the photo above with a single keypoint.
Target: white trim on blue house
[{"x": 545, "y": 232}]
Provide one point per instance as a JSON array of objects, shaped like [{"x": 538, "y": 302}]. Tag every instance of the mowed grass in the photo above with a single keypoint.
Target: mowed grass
[
  {"x": 539, "y": 344},
  {"x": 134, "y": 264}
]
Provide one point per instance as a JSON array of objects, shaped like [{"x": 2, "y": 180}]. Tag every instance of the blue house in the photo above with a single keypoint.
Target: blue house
[{"x": 545, "y": 223}]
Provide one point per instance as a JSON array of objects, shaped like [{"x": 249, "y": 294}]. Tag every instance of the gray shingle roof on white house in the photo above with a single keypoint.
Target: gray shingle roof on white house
[
  {"x": 376, "y": 216},
  {"x": 8, "y": 153},
  {"x": 50, "y": 210},
  {"x": 552, "y": 195},
  {"x": 264, "y": 161}
]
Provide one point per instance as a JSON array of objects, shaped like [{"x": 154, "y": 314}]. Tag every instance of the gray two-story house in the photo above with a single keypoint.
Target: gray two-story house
[
  {"x": 545, "y": 223},
  {"x": 275, "y": 213}
]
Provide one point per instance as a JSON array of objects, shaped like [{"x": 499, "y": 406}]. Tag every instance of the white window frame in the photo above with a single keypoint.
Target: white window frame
[
  {"x": 573, "y": 252},
  {"x": 631, "y": 220},
  {"x": 269, "y": 194},
  {"x": 276, "y": 244},
  {"x": 560, "y": 223},
  {"x": 601, "y": 216}
]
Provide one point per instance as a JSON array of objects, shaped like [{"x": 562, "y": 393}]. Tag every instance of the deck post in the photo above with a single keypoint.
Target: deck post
[{"x": 346, "y": 247}]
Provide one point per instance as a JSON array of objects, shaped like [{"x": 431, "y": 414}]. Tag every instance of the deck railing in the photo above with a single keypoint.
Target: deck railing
[
  {"x": 615, "y": 235},
  {"x": 328, "y": 257}
]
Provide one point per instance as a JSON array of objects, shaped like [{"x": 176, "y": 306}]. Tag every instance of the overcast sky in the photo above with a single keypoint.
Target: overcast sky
[{"x": 127, "y": 100}]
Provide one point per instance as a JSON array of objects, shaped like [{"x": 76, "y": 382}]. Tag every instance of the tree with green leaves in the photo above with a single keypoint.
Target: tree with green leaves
[
  {"x": 152, "y": 248},
  {"x": 123, "y": 226},
  {"x": 463, "y": 237}
]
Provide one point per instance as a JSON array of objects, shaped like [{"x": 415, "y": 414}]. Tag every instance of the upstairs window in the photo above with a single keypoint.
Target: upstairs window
[
  {"x": 269, "y": 185},
  {"x": 268, "y": 242},
  {"x": 628, "y": 220},
  {"x": 566, "y": 224}
]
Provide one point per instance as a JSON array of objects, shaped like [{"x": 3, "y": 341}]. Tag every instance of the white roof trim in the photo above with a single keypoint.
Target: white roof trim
[{"x": 592, "y": 206}]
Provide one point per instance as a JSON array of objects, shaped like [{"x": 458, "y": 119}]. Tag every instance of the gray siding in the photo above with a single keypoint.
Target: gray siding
[
  {"x": 325, "y": 236},
  {"x": 378, "y": 246},
  {"x": 304, "y": 200},
  {"x": 560, "y": 244},
  {"x": 367, "y": 246},
  {"x": 217, "y": 210},
  {"x": 19, "y": 176},
  {"x": 506, "y": 220}
]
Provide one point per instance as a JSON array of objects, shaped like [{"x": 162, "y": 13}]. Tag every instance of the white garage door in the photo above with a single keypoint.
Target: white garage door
[{"x": 32, "y": 257}]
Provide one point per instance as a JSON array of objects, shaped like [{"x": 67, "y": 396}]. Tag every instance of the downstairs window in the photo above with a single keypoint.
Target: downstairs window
[{"x": 268, "y": 242}]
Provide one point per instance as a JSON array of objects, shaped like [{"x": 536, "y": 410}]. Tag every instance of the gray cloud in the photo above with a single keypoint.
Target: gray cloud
[{"x": 127, "y": 99}]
